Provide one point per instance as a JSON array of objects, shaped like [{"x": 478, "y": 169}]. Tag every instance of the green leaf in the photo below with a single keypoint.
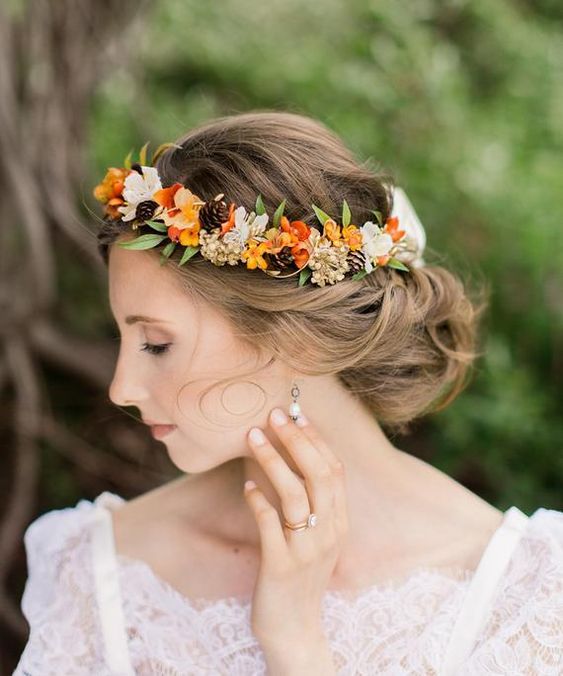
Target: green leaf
[
  {"x": 260, "y": 208},
  {"x": 188, "y": 253},
  {"x": 143, "y": 242},
  {"x": 169, "y": 249},
  {"x": 395, "y": 263},
  {"x": 278, "y": 214},
  {"x": 127, "y": 160},
  {"x": 321, "y": 215},
  {"x": 143, "y": 155},
  {"x": 379, "y": 217},
  {"x": 304, "y": 275},
  {"x": 161, "y": 227},
  {"x": 346, "y": 215},
  {"x": 360, "y": 274}
]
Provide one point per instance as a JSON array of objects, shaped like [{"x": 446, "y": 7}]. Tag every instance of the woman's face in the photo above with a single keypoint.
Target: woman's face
[{"x": 180, "y": 364}]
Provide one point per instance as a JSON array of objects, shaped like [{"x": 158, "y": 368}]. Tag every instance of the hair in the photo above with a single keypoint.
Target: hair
[{"x": 403, "y": 343}]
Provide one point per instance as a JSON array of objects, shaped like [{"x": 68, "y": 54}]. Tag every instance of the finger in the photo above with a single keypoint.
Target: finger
[
  {"x": 273, "y": 544},
  {"x": 316, "y": 471},
  {"x": 293, "y": 495},
  {"x": 338, "y": 468}
]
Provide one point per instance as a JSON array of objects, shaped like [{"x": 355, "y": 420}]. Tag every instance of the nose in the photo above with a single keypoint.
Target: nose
[{"x": 126, "y": 387}]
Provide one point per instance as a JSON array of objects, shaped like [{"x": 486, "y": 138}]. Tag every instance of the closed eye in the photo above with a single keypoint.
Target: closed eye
[{"x": 155, "y": 349}]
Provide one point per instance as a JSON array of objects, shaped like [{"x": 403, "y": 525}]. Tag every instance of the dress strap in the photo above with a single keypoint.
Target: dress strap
[
  {"x": 482, "y": 587},
  {"x": 108, "y": 593}
]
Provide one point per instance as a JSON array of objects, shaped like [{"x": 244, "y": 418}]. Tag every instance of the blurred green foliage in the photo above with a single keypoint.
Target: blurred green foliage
[{"x": 463, "y": 101}]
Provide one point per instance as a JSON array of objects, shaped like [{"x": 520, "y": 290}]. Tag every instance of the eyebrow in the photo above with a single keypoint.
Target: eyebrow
[{"x": 133, "y": 319}]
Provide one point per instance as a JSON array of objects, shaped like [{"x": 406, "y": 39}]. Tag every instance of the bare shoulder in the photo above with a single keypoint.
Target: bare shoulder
[
  {"x": 141, "y": 523},
  {"x": 457, "y": 522},
  {"x": 166, "y": 528}
]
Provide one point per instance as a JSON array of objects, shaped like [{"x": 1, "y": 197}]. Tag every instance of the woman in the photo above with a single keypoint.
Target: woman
[{"x": 298, "y": 539}]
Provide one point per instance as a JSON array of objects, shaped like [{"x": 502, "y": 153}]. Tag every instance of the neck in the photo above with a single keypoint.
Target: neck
[
  {"x": 378, "y": 489},
  {"x": 400, "y": 508}
]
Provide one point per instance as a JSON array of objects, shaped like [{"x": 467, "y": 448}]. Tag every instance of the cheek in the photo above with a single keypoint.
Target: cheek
[{"x": 222, "y": 406}]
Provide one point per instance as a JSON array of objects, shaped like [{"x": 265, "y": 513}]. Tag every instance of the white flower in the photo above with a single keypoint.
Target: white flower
[
  {"x": 375, "y": 243},
  {"x": 414, "y": 242},
  {"x": 137, "y": 189},
  {"x": 247, "y": 226}
]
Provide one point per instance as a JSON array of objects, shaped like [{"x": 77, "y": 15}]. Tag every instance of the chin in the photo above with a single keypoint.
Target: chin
[
  {"x": 194, "y": 458},
  {"x": 191, "y": 458}
]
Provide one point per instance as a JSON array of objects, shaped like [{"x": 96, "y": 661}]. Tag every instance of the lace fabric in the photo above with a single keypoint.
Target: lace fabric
[{"x": 402, "y": 627}]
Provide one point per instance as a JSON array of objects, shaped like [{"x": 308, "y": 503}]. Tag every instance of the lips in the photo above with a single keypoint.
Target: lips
[{"x": 159, "y": 431}]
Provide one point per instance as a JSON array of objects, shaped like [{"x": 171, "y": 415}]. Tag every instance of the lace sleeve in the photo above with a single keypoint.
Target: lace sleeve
[
  {"x": 524, "y": 633},
  {"x": 58, "y": 600}
]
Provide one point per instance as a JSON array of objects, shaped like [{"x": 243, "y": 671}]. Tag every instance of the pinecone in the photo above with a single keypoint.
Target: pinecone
[
  {"x": 213, "y": 213},
  {"x": 356, "y": 261},
  {"x": 280, "y": 261},
  {"x": 145, "y": 210}
]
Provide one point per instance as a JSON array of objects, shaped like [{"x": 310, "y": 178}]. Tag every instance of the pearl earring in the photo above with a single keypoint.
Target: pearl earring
[{"x": 294, "y": 408}]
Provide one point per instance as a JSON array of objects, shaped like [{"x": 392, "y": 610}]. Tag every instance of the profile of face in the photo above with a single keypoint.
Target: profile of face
[{"x": 186, "y": 367}]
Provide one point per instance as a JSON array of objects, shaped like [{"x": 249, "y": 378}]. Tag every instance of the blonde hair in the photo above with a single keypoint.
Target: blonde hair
[{"x": 402, "y": 343}]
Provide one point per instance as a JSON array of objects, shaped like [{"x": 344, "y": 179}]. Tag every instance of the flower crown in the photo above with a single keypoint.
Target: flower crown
[{"x": 226, "y": 233}]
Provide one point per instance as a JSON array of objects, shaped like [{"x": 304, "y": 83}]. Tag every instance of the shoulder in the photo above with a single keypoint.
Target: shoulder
[
  {"x": 60, "y": 530},
  {"x": 537, "y": 563},
  {"x": 57, "y": 552},
  {"x": 546, "y": 525},
  {"x": 523, "y": 628},
  {"x": 157, "y": 522},
  {"x": 50, "y": 531},
  {"x": 540, "y": 553}
]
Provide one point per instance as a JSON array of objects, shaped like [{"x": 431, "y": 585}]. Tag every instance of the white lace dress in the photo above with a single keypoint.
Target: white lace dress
[{"x": 94, "y": 612}]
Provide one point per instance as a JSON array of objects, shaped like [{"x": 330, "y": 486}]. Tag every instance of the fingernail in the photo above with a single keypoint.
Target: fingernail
[
  {"x": 257, "y": 436},
  {"x": 279, "y": 417},
  {"x": 248, "y": 485},
  {"x": 301, "y": 420}
]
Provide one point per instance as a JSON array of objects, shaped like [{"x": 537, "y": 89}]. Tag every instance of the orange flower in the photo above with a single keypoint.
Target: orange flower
[
  {"x": 111, "y": 185},
  {"x": 229, "y": 224},
  {"x": 253, "y": 255},
  {"x": 333, "y": 232},
  {"x": 184, "y": 207},
  {"x": 174, "y": 233},
  {"x": 112, "y": 208},
  {"x": 382, "y": 260},
  {"x": 165, "y": 197},
  {"x": 190, "y": 236},
  {"x": 110, "y": 190},
  {"x": 280, "y": 239},
  {"x": 391, "y": 225},
  {"x": 300, "y": 254},
  {"x": 353, "y": 237},
  {"x": 299, "y": 229}
]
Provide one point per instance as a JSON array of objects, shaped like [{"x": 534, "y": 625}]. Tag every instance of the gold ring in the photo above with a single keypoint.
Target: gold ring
[{"x": 309, "y": 523}]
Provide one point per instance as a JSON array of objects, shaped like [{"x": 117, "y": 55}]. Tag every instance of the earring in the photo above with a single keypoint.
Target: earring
[{"x": 294, "y": 408}]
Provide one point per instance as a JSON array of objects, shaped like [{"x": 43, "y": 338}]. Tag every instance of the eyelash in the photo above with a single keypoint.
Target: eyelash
[{"x": 155, "y": 349}]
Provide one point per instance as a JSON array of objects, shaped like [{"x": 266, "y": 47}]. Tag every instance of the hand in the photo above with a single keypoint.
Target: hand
[{"x": 295, "y": 566}]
